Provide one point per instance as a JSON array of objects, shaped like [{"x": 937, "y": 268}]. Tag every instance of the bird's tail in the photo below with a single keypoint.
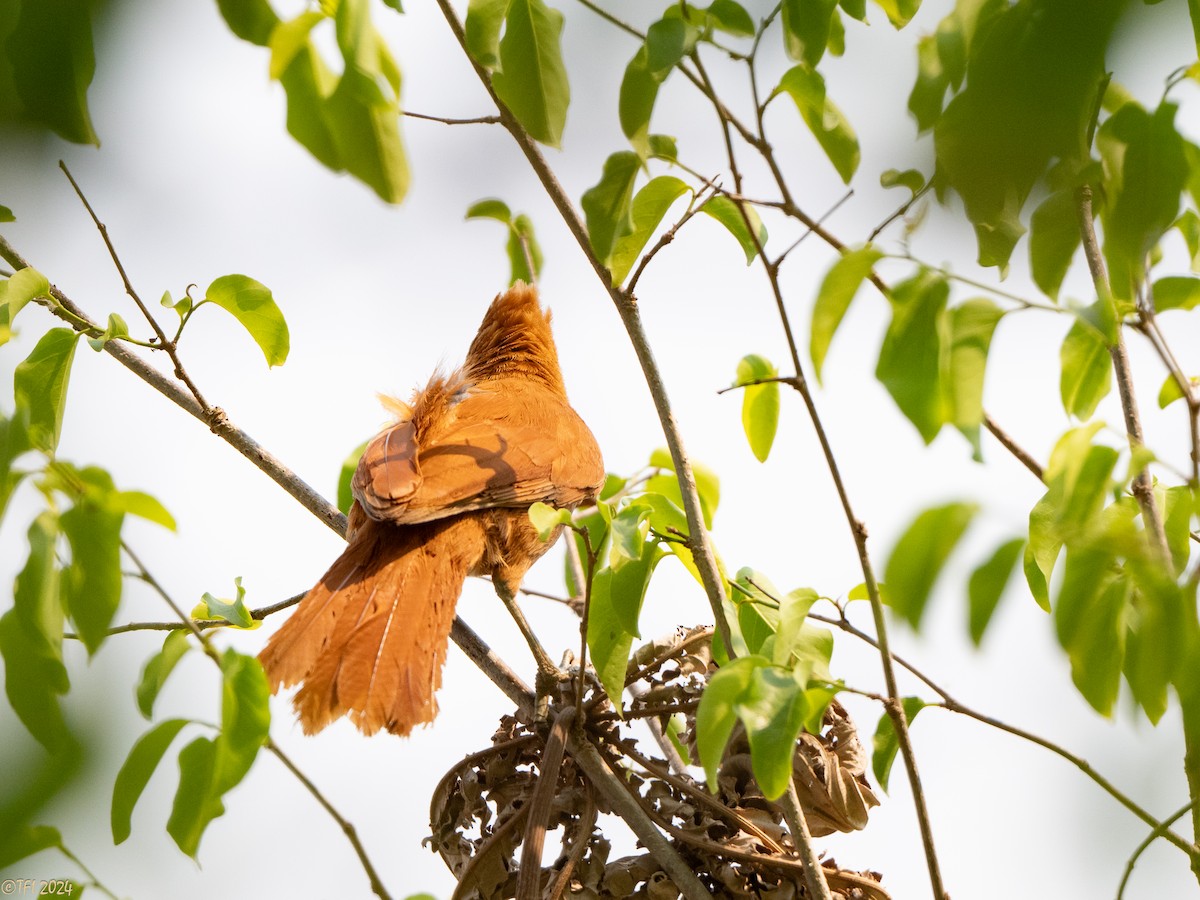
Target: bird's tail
[{"x": 370, "y": 638}]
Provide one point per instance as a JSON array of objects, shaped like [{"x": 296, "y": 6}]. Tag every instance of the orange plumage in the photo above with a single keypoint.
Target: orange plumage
[{"x": 439, "y": 495}]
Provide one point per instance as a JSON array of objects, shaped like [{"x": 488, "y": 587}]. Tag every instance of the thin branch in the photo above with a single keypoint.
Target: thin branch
[
  {"x": 627, "y": 309},
  {"x": 903, "y": 210},
  {"x": 667, "y": 237},
  {"x": 478, "y": 120},
  {"x": 541, "y": 803},
  {"x": 346, "y": 826},
  {"x": 1154, "y": 835},
  {"x": 1013, "y": 447}
]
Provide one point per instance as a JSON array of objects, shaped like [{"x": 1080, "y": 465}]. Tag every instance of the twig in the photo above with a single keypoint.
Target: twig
[
  {"x": 667, "y": 237},
  {"x": 814, "y": 872},
  {"x": 478, "y": 120},
  {"x": 346, "y": 826},
  {"x": 1154, "y": 835},
  {"x": 540, "y": 805},
  {"x": 1013, "y": 447},
  {"x": 903, "y": 210},
  {"x": 627, "y": 309}
]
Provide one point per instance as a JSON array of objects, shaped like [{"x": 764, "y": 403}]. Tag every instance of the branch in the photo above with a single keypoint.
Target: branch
[
  {"x": 1159, "y": 831},
  {"x": 627, "y": 309},
  {"x": 1013, "y": 447},
  {"x": 478, "y": 120}
]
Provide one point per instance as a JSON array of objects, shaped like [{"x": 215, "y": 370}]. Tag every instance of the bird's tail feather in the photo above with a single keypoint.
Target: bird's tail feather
[{"x": 369, "y": 639}]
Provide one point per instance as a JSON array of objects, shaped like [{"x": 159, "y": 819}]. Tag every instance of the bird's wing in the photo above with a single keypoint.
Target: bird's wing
[{"x": 505, "y": 444}]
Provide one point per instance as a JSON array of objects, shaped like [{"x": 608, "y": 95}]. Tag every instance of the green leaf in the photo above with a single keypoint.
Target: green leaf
[
  {"x": 1170, "y": 391},
  {"x": 1176, "y": 292},
  {"x": 251, "y": 303},
  {"x": 196, "y": 802},
  {"x": 899, "y": 12},
  {"x": 708, "y": 485},
  {"x": 607, "y": 205},
  {"x": 664, "y": 147},
  {"x": 760, "y": 404},
  {"x": 839, "y": 287},
  {"x": 24, "y": 285},
  {"x": 31, "y": 641},
  {"x": 806, "y": 25},
  {"x": 547, "y": 520},
  {"x": 929, "y": 90},
  {"x": 667, "y": 41},
  {"x": 6, "y": 214},
  {"x": 307, "y": 82},
  {"x": 731, "y": 17},
  {"x": 757, "y": 601},
  {"x": 717, "y": 713},
  {"x": 730, "y": 215},
  {"x": 918, "y": 557},
  {"x": 245, "y": 717},
  {"x": 1086, "y": 370},
  {"x": 1089, "y": 616},
  {"x": 92, "y": 582},
  {"x": 1043, "y": 549},
  {"x": 482, "y": 29},
  {"x": 144, "y": 506},
  {"x": 40, "y": 385},
  {"x": 344, "y": 495},
  {"x": 524, "y": 252},
  {"x": 532, "y": 81},
  {"x": 1145, "y": 192},
  {"x": 1188, "y": 224},
  {"x": 790, "y": 638},
  {"x": 911, "y": 358},
  {"x": 490, "y": 208},
  {"x": 290, "y": 38},
  {"x": 115, "y": 329},
  {"x": 1053, "y": 240},
  {"x": 25, "y": 841},
  {"x": 807, "y": 88},
  {"x": 971, "y": 327},
  {"x": 362, "y": 117},
  {"x": 139, "y": 765},
  {"x": 635, "y": 103},
  {"x": 251, "y": 20},
  {"x": 886, "y": 744},
  {"x": 616, "y": 600},
  {"x": 52, "y": 61},
  {"x": 232, "y": 611},
  {"x": 912, "y": 179},
  {"x": 1177, "y": 520},
  {"x": 649, "y": 206},
  {"x": 158, "y": 668},
  {"x": 773, "y": 711},
  {"x": 14, "y": 442},
  {"x": 987, "y": 585}
]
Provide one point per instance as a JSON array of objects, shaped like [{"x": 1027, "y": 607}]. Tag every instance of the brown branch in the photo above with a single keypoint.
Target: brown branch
[
  {"x": 1013, "y": 447},
  {"x": 478, "y": 120},
  {"x": 541, "y": 803}
]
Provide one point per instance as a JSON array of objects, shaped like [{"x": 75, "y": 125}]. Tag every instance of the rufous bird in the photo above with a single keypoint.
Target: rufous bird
[{"x": 441, "y": 494}]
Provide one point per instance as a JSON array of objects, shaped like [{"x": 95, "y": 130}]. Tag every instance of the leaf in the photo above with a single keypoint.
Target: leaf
[
  {"x": 24, "y": 841},
  {"x": 1145, "y": 193},
  {"x": 899, "y": 12},
  {"x": 290, "y": 38},
  {"x": 1178, "y": 506},
  {"x": 708, "y": 485},
  {"x": 773, "y": 710},
  {"x": 1089, "y": 617},
  {"x": 482, "y": 30},
  {"x": 731, "y": 17},
  {"x": 1176, "y": 292},
  {"x": 616, "y": 600},
  {"x": 840, "y": 285},
  {"x": 6, "y": 214},
  {"x": 524, "y": 252},
  {"x": 307, "y": 82},
  {"x": 717, "y": 713},
  {"x": 919, "y": 554},
  {"x": 144, "y": 506},
  {"x": 196, "y": 802},
  {"x": 134, "y": 775},
  {"x": 547, "y": 520},
  {"x": 667, "y": 41},
  {"x": 1042, "y": 551},
  {"x": 912, "y": 179},
  {"x": 649, "y": 206},
  {"x": 1170, "y": 391},
  {"x": 24, "y": 286},
  {"x": 491, "y": 208},
  {"x": 635, "y": 103},
  {"x": 232, "y": 611},
  {"x": 1053, "y": 240},
  {"x": 52, "y": 61},
  {"x": 245, "y": 717},
  {"x": 251, "y": 303},
  {"x": 760, "y": 404},
  {"x": 158, "y": 668},
  {"x": 1188, "y": 224},
  {"x": 790, "y": 640},
  {"x": 250, "y": 20},
  {"x": 911, "y": 358},
  {"x": 987, "y": 585},
  {"x": 1086, "y": 370},
  {"x": 532, "y": 81},
  {"x": 929, "y": 90},
  {"x": 115, "y": 329},
  {"x": 971, "y": 327},
  {"x": 730, "y": 215},
  {"x": 31, "y": 641},
  {"x": 344, "y": 496},
  {"x": 757, "y": 601},
  {"x": 886, "y": 744},
  {"x": 92, "y": 582},
  {"x": 40, "y": 385},
  {"x": 806, "y": 26},
  {"x": 606, "y": 205},
  {"x": 807, "y": 88}
]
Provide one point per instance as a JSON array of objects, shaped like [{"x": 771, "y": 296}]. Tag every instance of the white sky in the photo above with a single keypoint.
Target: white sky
[{"x": 197, "y": 178}]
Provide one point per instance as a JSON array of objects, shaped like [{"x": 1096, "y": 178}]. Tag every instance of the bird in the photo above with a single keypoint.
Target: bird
[{"x": 440, "y": 494}]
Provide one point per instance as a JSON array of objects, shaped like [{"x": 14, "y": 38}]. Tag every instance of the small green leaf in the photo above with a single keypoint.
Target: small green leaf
[
  {"x": 14, "y": 443},
  {"x": 232, "y": 611},
  {"x": 251, "y": 20},
  {"x": 667, "y": 41},
  {"x": 1188, "y": 224},
  {"x": 6, "y": 214},
  {"x": 664, "y": 147},
  {"x": 1086, "y": 370},
  {"x": 139, "y": 765},
  {"x": 911, "y": 360},
  {"x": 1176, "y": 292},
  {"x": 929, "y": 90},
  {"x": 24, "y": 841},
  {"x": 1177, "y": 519},
  {"x": 607, "y": 204},
  {"x": 92, "y": 582},
  {"x": 1089, "y": 613},
  {"x": 760, "y": 404},
  {"x": 757, "y": 601},
  {"x": 532, "y": 81},
  {"x": 251, "y": 304},
  {"x": 708, "y": 485},
  {"x": 158, "y": 668},
  {"x": 115, "y": 329},
  {"x": 806, "y": 26},
  {"x": 718, "y": 711},
  {"x": 547, "y": 519},
  {"x": 144, "y": 506},
  {"x": 730, "y": 215},
  {"x": 918, "y": 557},
  {"x": 290, "y": 38},
  {"x": 773, "y": 711},
  {"x": 344, "y": 495},
  {"x": 731, "y": 17},
  {"x": 649, "y": 206},
  {"x": 196, "y": 801},
  {"x": 608, "y": 641},
  {"x": 837, "y": 289},
  {"x": 40, "y": 384},
  {"x": 490, "y": 208},
  {"x": 789, "y": 637},
  {"x": 912, "y": 179},
  {"x": 987, "y": 585},
  {"x": 807, "y": 88},
  {"x": 52, "y": 61},
  {"x": 482, "y": 29},
  {"x": 1053, "y": 240},
  {"x": 971, "y": 327},
  {"x": 899, "y": 12},
  {"x": 245, "y": 717},
  {"x": 635, "y": 103},
  {"x": 886, "y": 744},
  {"x": 1170, "y": 391},
  {"x": 24, "y": 285},
  {"x": 524, "y": 252}
]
